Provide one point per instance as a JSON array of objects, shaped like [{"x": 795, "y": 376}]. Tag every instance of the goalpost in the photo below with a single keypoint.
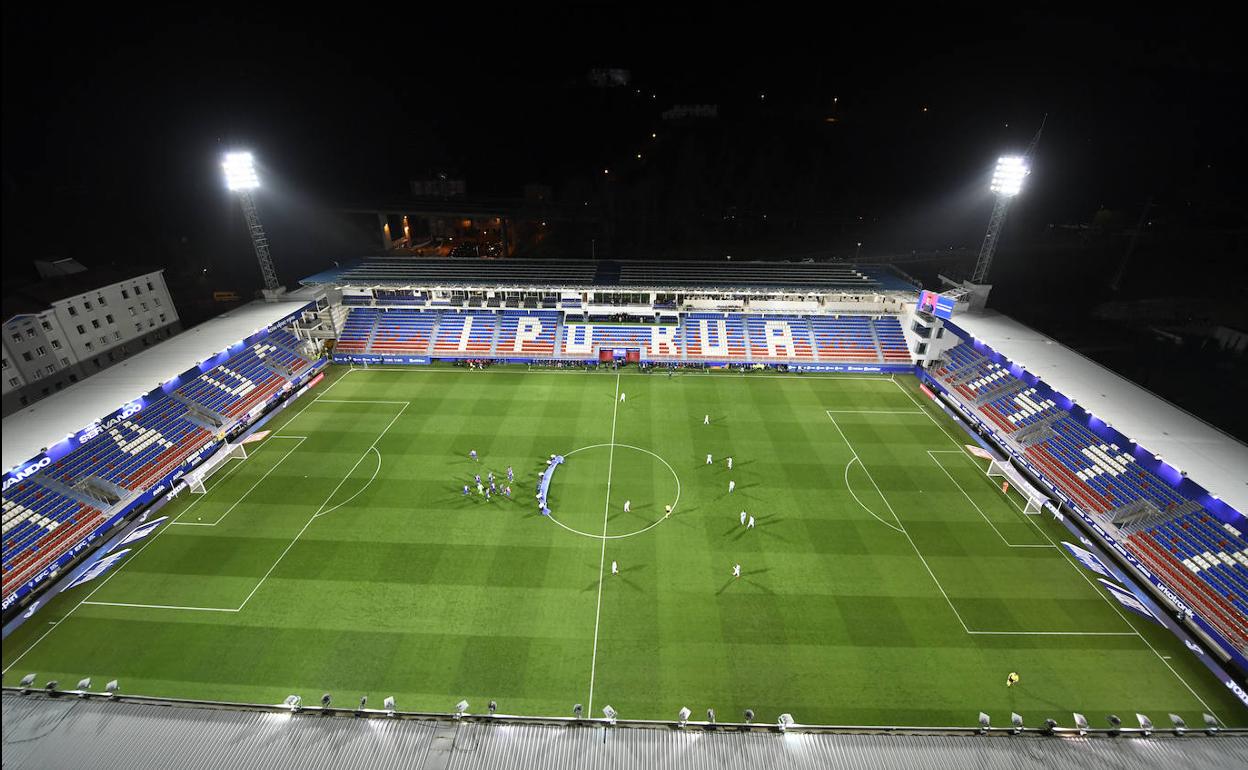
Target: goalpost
[
  {"x": 1034, "y": 497},
  {"x": 196, "y": 478}
]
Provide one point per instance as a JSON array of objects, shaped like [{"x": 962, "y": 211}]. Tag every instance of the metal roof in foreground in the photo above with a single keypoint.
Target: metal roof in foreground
[{"x": 42, "y": 732}]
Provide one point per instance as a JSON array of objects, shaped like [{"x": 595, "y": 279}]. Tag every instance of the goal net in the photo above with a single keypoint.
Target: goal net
[
  {"x": 196, "y": 478},
  {"x": 1012, "y": 479}
]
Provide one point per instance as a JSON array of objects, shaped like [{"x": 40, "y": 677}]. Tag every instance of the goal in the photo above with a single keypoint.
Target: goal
[
  {"x": 1034, "y": 497},
  {"x": 196, "y": 478}
]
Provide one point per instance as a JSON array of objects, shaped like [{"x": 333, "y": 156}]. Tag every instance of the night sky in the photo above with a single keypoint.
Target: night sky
[{"x": 114, "y": 124}]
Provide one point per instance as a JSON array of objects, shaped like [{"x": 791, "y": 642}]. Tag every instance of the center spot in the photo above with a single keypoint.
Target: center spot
[{"x": 578, "y": 492}]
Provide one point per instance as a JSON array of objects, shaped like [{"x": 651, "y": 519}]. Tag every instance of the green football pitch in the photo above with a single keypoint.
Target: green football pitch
[{"x": 887, "y": 581}]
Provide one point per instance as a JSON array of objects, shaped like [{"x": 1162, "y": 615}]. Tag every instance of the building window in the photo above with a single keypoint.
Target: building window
[
  {"x": 150, "y": 324},
  {"x": 30, "y": 334},
  {"x": 14, "y": 382},
  {"x": 56, "y": 344},
  {"x": 65, "y": 362},
  {"x": 38, "y": 374},
  {"x": 103, "y": 302},
  {"x": 47, "y": 326},
  {"x": 150, "y": 287},
  {"x": 41, "y": 351},
  {"x": 17, "y": 337},
  {"x": 73, "y": 310},
  {"x": 125, "y": 294},
  {"x": 144, "y": 304},
  {"x": 82, "y": 329},
  {"x": 109, "y": 318},
  {"x": 116, "y": 335},
  {"x": 132, "y": 313},
  {"x": 88, "y": 346},
  {"x": 137, "y": 291},
  {"x": 86, "y": 304},
  {"x": 95, "y": 323},
  {"x": 26, "y": 356},
  {"x": 103, "y": 340},
  {"x": 51, "y": 368},
  {"x": 157, "y": 301},
  {"x": 162, "y": 318}
]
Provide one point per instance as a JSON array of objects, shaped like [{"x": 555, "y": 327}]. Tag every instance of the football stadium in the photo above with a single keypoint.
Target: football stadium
[{"x": 756, "y": 498}]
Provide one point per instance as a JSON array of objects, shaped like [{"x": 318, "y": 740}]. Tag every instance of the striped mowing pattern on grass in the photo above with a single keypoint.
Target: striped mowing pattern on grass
[{"x": 887, "y": 580}]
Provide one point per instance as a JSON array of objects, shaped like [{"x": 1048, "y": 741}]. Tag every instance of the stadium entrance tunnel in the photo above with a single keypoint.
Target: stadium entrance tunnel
[{"x": 597, "y": 480}]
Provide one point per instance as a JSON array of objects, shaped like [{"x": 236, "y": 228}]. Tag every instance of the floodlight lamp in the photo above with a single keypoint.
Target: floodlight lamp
[
  {"x": 684, "y": 715},
  {"x": 461, "y": 707},
  {"x": 27, "y": 681},
  {"x": 111, "y": 688},
  {"x": 1007, "y": 179},
  {"x": 325, "y": 701},
  {"x": 710, "y": 716},
  {"x": 1017, "y": 721},
  {"x": 1081, "y": 723},
  {"x": 609, "y": 713},
  {"x": 240, "y": 171},
  {"x": 83, "y": 686},
  {"x": 577, "y": 710},
  {"x": 1180, "y": 726},
  {"x": 1146, "y": 724},
  {"x": 388, "y": 703},
  {"x": 984, "y": 723},
  {"x": 1050, "y": 726},
  {"x": 1114, "y": 724},
  {"x": 1211, "y": 723},
  {"x": 363, "y": 702},
  {"x": 293, "y": 702},
  {"x": 785, "y": 721},
  {"x": 51, "y": 686},
  {"x": 749, "y": 716},
  {"x": 493, "y": 707}
]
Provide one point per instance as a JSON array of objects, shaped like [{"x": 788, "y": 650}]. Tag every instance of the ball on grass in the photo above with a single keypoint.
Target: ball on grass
[{"x": 199, "y": 518}]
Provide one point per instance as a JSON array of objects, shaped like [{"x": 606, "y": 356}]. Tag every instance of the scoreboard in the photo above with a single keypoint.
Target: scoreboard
[{"x": 936, "y": 304}]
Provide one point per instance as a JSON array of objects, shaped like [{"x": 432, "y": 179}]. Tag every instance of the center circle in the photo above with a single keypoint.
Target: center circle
[{"x": 619, "y": 492}]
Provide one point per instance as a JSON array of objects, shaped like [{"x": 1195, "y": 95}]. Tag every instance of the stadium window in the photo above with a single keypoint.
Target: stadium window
[
  {"x": 940, "y": 332},
  {"x": 41, "y": 351},
  {"x": 162, "y": 318},
  {"x": 82, "y": 329},
  {"x": 30, "y": 334},
  {"x": 103, "y": 302},
  {"x": 73, "y": 310},
  {"x": 88, "y": 346},
  {"x": 47, "y": 326},
  {"x": 109, "y": 318},
  {"x": 103, "y": 340},
  {"x": 86, "y": 304},
  {"x": 137, "y": 291},
  {"x": 95, "y": 323},
  {"x": 38, "y": 374},
  {"x": 64, "y": 362},
  {"x": 17, "y": 337},
  {"x": 51, "y": 368},
  {"x": 56, "y": 344},
  {"x": 26, "y": 356},
  {"x": 13, "y": 382},
  {"x": 150, "y": 287},
  {"x": 125, "y": 294},
  {"x": 144, "y": 305}
]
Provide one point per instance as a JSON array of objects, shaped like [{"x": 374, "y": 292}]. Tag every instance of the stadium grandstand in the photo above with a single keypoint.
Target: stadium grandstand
[{"x": 1102, "y": 549}]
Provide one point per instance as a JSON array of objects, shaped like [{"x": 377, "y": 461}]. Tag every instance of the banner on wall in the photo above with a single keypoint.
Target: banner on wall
[
  {"x": 140, "y": 532},
  {"x": 1088, "y": 559},
  {"x": 1128, "y": 600},
  {"x": 98, "y": 568}
]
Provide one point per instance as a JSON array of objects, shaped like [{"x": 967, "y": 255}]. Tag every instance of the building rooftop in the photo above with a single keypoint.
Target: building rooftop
[
  {"x": 1211, "y": 458},
  {"x": 28, "y": 431}
]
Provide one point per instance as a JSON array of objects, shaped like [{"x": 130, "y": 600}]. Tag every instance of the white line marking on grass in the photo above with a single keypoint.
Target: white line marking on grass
[
  {"x": 321, "y": 508},
  {"x": 239, "y": 500},
  {"x": 602, "y": 560},
  {"x": 1052, "y": 633},
  {"x": 355, "y": 401},
  {"x": 359, "y": 491},
  {"x": 582, "y": 373},
  {"x": 850, "y": 487},
  {"x": 872, "y": 411},
  {"x": 1079, "y": 570},
  {"x": 163, "y": 606},
  {"x": 654, "y": 524},
  {"x": 983, "y": 515}
]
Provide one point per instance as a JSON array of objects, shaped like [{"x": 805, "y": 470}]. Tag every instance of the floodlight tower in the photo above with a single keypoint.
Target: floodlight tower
[
  {"x": 1007, "y": 181},
  {"x": 241, "y": 178}
]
